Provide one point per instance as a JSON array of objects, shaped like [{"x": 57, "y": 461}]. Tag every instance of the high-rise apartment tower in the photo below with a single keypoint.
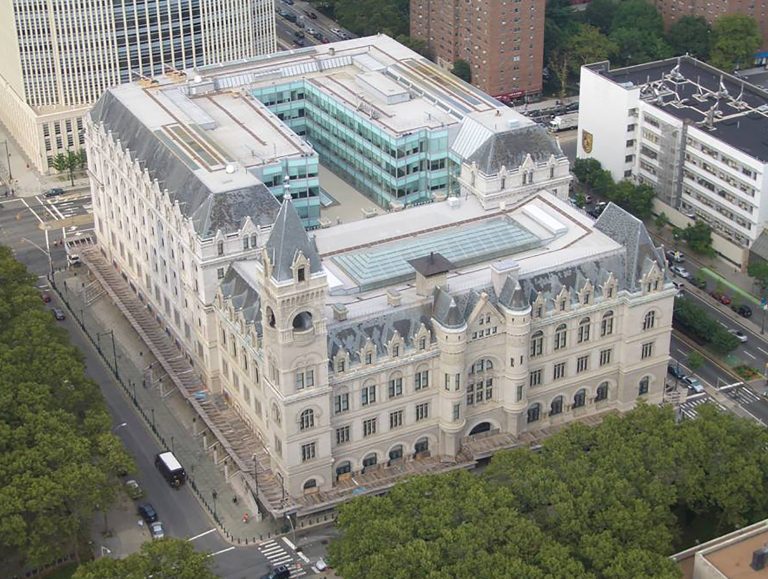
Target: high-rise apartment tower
[{"x": 502, "y": 40}]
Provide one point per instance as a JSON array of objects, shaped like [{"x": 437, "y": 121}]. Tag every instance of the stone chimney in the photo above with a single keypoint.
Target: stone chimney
[
  {"x": 431, "y": 272},
  {"x": 499, "y": 272}
]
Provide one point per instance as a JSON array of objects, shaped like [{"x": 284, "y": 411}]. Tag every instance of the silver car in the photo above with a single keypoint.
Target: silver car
[{"x": 157, "y": 530}]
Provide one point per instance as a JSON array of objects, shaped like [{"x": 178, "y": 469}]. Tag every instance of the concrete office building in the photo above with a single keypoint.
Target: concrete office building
[
  {"x": 59, "y": 57},
  {"x": 694, "y": 133},
  {"x": 502, "y": 40},
  {"x": 673, "y": 10}
]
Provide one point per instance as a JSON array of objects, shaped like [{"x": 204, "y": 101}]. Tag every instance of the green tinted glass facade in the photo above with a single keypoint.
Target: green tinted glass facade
[{"x": 407, "y": 168}]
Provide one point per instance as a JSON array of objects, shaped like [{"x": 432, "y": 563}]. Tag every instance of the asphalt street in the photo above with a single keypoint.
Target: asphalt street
[{"x": 286, "y": 30}]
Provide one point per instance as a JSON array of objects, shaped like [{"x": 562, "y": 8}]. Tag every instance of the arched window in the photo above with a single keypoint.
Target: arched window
[
  {"x": 370, "y": 460},
  {"x": 276, "y": 414},
  {"x": 602, "y": 392},
  {"x": 480, "y": 382},
  {"x": 606, "y": 325},
  {"x": 302, "y": 321},
  {"x": 556, "y": 407},
  {"x": 644, "y": 386},
  {"x": 649, "y": 320},
  {"x": 422, "y": 445},
  {"x": 396, "y": 453},
  {"x": 537, "y": 344},
  {"x": 580, "y": 398},
  {"x": 307, "y": 419},
  {"x": 584, "y": 327},
  {"x": 343, "y": 468},
  {"x": 310, "y": 484},
  {"x": 534, "y": 412},
  {"x": 561, "y": 339}
]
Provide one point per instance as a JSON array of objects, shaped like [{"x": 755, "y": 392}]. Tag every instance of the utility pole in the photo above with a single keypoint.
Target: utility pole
[{"x": 8, "y": 159}]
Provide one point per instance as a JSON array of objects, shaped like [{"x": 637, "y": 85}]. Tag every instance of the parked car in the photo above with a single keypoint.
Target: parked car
[
  {"x": 674, "y": 256},
  {"x": 73, "y": 259},
  {"x": 597, "y": 210},
  {"x": 157, "y": 530},
  {"x": 289, "y": 16},
  {"x": 133, "y": 489},
  {"x": 743, "y": 310},
  {"x": 721, "y": 297},
  {"x": 279, "y": 572},
  {"x": 46, "y": 297},
  {"x": 289, "y": 2},
  {"x": 741, "y": 336},
  {"x": 55, "y": 192},
  {"x": 58, "y": 314},
  {"x": 311, "y": 14},
  {"x": 693, "y": 384},
  {"x": 300, "y": 41},
  {"x": 680, "y": 271},
  {"x": 147, "y": 512},
  {"x": 311, "y": 31},
  {"x": 321, "y": 565},
  {"x": 674, "y": 370},
  {"x": 282, "y": 12},
  {"x": 298, "y": 34},
  {"x": 319, "y": 35}
]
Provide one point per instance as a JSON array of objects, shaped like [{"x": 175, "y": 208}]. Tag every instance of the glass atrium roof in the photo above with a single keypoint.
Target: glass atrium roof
[{"x": 482, "y": 241}]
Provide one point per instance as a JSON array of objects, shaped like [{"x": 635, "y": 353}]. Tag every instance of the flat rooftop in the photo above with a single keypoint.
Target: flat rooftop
[
  {"x": 728, "y": 107},
  {"x": 365, "y": 258}
]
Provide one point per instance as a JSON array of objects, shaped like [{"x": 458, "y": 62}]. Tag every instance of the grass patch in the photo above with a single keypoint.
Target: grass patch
[
  {"x": 746, "y": 372},
  {"x": 733, "y": 289}
]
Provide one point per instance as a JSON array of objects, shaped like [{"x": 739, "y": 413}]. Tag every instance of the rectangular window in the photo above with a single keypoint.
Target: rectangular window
[
  {"x": 219, "y": 273},
  {"x": 535, "y": 378},
  {"x": 582, "y": 363},
  {"x": 422, "y": 411},
  {"x": 519, "y": 396},
  {"x": 395, "y": 387},
  {"x": 558, "y": 371},
  {"x": 309, "y": 378},
  {"x": 395, "y": 419},
  {"x": 342, "y": 435},
  {"x": 369, "y": 427},
  {"x": 647, "y": 351},
  {"x": 447, "y": 381},
  {"x": 456, "y": 411},
  {"x": 299, "y": 380},
  {"x": 341, "y": 403},
  {"x": 308, "y": 451},
  {"x": 421, "y": 380},
  {"x": 368, "y": 395},
  {"x": 605, "y": 357},
  {"x": 245, "y": 243},
  {"x": 457, "y": 381}
]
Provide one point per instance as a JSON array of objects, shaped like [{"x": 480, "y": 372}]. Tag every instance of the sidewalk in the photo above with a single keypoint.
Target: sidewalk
[
  {"x": 161, "y": 405},
  {"x": 27, "y": 182},
  {"x": 118, "y": 534}
]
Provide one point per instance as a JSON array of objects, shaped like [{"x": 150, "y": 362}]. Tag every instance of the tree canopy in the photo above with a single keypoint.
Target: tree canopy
[
  {"x": 608, "y": 502},
  {"x": 462, "y": 69},
  {"x": 174, "y": 558},
  {"x": 696, "y": 322},
  {"x": 58, "y": 457},
  {"x": 692, "y": 35},
  {"x": 367, "y": 17},
  {"x": 736, "y": 38}
]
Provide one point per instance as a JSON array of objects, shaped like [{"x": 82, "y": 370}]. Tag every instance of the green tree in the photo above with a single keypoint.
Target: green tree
[
  {"x": 462, "y": 69},
  {"x": 68, "y": 161},
  {"x": 600, "y": 13},
  {"x": 638, "y": 45},
  {"x": 695, "y": 321},
  {"x": 588, "y": 45},
  {"x": 164, "y": 558},
  {"x": 759, "y": 271},
  {"x": 661, "y": 221},
  {"x": 636, "y": 199},
  {"x": 415, "y": 44},
  {"x": 695, "y": 360},
  {"x": 58, "y": 457},
  {"x": 699, "y": 238},
  {"x": 367, "y": 17},
  {"x": 638, "y": 15},
  {"x": 690, "y": 35},
  {"x": 736, "y": 38}
]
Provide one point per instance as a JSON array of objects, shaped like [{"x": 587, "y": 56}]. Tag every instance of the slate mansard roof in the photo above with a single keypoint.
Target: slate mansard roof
[
  {"x": 452, "y": 311},
  {"x": 510, "y": 148},
  {"x": 286, "y": 239},
  {"x": 209, "y": 211}
]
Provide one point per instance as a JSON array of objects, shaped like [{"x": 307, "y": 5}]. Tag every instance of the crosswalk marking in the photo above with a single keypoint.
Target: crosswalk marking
[
  {"x": 743, "y": 395},
  {"x": 688, "y": 408}
]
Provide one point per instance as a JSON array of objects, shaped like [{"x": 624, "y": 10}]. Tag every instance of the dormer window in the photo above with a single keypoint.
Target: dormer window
[
  {"x": 503, "y": 183},
  {"x": 395, "y": 350},
  {"x": 368, "y": 358},
  {"x": 422, "y": 344},
  {"x": 301, "y": 274},
  {"x": 220, "y": 248}
]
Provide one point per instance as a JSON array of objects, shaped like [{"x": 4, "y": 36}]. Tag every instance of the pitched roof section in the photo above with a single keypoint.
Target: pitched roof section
[
  {"x": 432, "y": 264},
  {"x": 287, "y": 238},
  {"x": 630, "y": 232},
  {"x": 208, "y": 211},
  {"x": 512, "y": 295},
  {"x": 511, "y": 147},
  {"x": 445, "y": 310}
]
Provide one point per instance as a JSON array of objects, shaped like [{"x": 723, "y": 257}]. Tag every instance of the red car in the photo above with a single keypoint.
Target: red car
[
  {"x": 722, "y": 298},
  {"x": 46, "y": 297}
]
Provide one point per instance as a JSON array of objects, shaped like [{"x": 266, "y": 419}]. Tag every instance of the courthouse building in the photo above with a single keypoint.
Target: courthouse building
[{"x": 473, "y": 303}]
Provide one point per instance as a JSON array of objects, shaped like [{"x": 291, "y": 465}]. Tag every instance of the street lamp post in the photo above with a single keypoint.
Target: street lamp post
[
  {"x": 8, "y": 159},
  {"x": 114, "y": 349},
  {"x": 47, "y": 253},
  {"x": 153, "y": 419},
  {"x": 215, "y": 495}
]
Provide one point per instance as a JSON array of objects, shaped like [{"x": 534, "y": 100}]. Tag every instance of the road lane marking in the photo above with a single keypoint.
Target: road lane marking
[
  {"x": 222, "y": 551},
  {"x": 32, "y": 210},
  {"x": 303, "y": 556},
  {"x": 763, "y": 351},
  {"x": 208, "y": 532},
  {"x": 750, "y": 355},
  {"x": 679, "y": 351},
  {"x": 287, "y": 542}
]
